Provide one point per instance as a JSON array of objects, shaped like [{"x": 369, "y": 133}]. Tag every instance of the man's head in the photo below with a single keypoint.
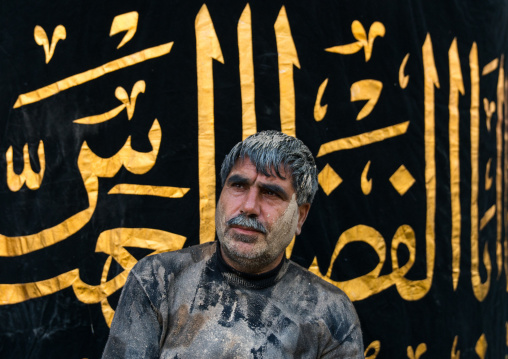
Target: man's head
[{"x": 269, "y": 181}]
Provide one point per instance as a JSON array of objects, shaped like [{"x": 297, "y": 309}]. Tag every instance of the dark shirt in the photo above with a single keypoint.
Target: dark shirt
[{"x": 191, "y": 304}]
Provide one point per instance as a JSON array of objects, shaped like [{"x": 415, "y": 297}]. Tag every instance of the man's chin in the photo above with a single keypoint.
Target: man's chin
[{"x": 242, "y": 247}]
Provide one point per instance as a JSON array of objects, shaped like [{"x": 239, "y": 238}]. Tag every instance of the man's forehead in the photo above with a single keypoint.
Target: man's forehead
[{"x": 245, "y": 164}]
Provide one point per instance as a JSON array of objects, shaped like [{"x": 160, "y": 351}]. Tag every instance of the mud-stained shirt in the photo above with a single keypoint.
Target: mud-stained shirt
[{"x": 190, "y": 304}]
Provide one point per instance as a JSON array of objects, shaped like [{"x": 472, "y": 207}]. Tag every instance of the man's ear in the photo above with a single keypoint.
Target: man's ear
[{"x": 303, "y": 210}]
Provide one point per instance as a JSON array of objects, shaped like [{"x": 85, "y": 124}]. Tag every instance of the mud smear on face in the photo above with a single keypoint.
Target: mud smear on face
[{"x": 283, "y": 230}]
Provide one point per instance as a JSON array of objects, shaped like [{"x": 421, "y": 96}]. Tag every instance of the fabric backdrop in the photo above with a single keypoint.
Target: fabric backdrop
[{"x": 115, "y": 117}]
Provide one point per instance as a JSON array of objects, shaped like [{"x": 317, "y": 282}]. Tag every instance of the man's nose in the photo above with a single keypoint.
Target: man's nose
[{"x": 251, "y": 205}]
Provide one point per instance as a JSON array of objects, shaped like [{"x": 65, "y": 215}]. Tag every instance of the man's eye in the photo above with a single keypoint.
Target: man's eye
[{"x": 271, "y": 194}]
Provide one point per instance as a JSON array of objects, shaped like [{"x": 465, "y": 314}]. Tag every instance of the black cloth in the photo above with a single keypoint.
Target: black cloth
[{"x": 191, "y": 304}]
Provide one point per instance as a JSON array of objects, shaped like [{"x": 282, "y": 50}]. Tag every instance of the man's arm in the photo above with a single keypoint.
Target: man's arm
[{"x": 136, "y": 330}]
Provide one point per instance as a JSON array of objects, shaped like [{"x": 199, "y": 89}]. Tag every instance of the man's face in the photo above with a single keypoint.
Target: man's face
[{"x": 257, "y": 217}]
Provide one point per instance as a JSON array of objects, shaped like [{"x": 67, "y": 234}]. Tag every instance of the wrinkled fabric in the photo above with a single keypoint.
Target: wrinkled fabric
[{"x": 184, "y": 304}]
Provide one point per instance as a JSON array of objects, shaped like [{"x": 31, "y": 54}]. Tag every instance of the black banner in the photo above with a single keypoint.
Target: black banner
[{"x": 115, "y": 117}]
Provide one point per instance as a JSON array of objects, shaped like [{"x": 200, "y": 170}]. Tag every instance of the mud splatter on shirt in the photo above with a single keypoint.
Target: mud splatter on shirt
[{"x": 191, "y": 304}]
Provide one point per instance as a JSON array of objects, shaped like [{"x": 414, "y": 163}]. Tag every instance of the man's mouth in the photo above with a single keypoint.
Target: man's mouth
[{"x": 246, "y": 229}]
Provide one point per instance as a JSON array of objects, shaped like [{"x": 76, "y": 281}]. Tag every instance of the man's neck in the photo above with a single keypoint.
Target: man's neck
[{"x": 249, "y": 280}]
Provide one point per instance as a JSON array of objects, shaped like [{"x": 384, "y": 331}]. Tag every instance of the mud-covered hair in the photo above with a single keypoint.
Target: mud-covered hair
[{"x": 271, "y": 150}]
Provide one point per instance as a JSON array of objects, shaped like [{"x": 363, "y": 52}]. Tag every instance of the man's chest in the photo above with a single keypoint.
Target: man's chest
[{"x": 220, "y": 322}]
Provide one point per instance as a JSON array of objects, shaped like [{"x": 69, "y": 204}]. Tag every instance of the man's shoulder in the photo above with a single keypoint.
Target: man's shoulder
[
  {"x": 157, "y": 274},
  {"x": 303, "y": 277},
  {"x": 317, "y": 300},
  {"x": 312, "y": 289},
  {"x": 174, "y": 261}
]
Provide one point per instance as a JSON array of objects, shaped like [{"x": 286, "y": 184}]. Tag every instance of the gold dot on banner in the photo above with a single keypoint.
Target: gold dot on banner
[
  {"x": 402, "y": 180},
  {"x": 481, "y": 347},
  {"x": 329, "y": 179}
]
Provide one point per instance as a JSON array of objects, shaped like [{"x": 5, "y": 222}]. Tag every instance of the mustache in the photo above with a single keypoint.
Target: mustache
[{"x": 248, "y": 222}]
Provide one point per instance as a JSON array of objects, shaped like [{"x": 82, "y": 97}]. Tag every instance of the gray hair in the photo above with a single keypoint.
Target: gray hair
[{"x": 268, "y": 151}]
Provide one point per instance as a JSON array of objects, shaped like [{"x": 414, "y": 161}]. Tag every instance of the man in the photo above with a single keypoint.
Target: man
[{"x": 240, "y": 297}]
